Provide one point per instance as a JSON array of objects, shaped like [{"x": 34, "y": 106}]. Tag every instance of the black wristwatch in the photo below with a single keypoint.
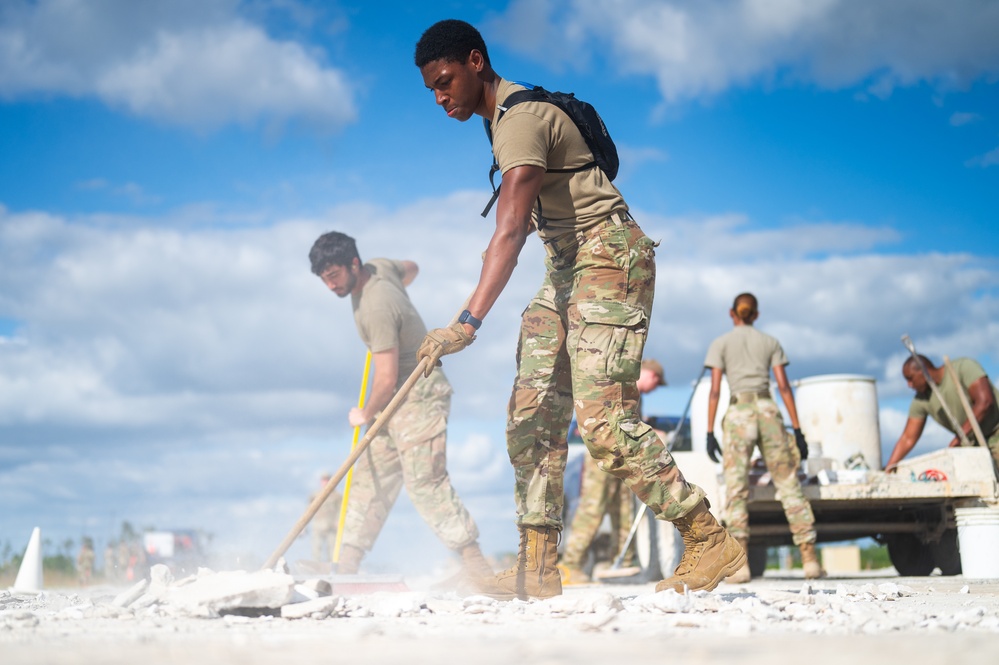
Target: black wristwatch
[{"x": 466, "y": 317}]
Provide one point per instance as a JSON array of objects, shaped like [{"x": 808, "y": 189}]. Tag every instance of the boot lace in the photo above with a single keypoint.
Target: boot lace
[{"x": 692, "y": 549}]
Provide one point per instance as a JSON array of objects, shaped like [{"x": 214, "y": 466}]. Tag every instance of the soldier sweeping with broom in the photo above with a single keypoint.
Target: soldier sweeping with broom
[{"x": 410, "y": 449}]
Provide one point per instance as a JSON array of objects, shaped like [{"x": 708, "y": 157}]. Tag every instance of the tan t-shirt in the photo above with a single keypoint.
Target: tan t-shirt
[
  {"x": 968, "y": 371},
  {"x": 745, "y": 355},
  {"x": 386, "y": 318},
  {"x": 540, "y": 134}
]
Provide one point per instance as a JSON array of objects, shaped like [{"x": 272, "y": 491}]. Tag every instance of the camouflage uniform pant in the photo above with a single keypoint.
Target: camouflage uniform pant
[
  {"x": 324, "y": 525},
  {"x": 759, "y": 423},
  {"x": 600, "y": 494},
  {"x": 581, "y": 342},
  {"x": 323, "y": 543},
  {"x": 410, "y": 450}
]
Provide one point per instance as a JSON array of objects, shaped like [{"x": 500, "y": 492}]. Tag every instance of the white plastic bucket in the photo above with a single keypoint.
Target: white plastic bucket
[
  {"x": 978, "y": 540},
  {"x": 839, "y": 414}
]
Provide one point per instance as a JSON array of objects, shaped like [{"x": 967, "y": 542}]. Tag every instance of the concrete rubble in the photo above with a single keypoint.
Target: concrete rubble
[{"x": 826, "y": 607}]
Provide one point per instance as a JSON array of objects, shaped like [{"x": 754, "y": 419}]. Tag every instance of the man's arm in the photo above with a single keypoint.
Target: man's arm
[
  {"x": 780, "y": 375},
  {"x": 409, "y": 272},
  {"x": 982, "y": 401},
  {"x": 910, "y": 435},
  {"x": 382, "y": 387},
  {"x": 518, "y": 195}
]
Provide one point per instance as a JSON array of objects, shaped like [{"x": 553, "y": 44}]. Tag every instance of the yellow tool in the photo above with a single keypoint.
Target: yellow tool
[{"x": 350, "y": 474}]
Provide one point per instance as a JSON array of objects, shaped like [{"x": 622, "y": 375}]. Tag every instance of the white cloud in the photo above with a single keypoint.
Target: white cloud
[
  {"x": 958, "y": 119},
  {"x": 129, "y": 190},
  {"x": 197, "y": 372},
  {"x": 138, "y": 322},
  {"x": 701, "y": 49},
  {"x": 991, "y": 158},
  {"x": 195, "y": 63}
]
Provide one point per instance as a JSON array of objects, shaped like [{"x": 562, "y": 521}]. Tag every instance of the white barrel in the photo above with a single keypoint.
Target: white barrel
[
  {"x": 978, "y": 539},
  {"x": 839, "y": 417},
  {"x": 699, "y": 413}
]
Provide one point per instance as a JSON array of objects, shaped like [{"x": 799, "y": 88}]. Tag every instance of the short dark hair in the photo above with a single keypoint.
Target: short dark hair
[
  {"x": 332, "y": 249},
  {"x": 450, "y": 40},
  {"x": 911, "y": 362}
]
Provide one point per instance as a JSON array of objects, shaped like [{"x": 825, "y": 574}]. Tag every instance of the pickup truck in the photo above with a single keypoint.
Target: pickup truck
[{"x": 911, "y": 512}]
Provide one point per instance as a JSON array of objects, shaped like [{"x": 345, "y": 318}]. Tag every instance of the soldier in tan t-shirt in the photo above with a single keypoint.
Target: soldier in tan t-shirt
[
  {"x": 746, "y": 357},
  {"x": 410, "y": 449},
  {"x": 582, "y": 335},
  {"x": 979, "y": 390}
]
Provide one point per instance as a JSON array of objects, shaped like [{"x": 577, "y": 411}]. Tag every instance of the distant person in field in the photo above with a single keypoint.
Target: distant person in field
[
  {"x": 85, "y": 561},
  {"x": 324, "y": 523}
]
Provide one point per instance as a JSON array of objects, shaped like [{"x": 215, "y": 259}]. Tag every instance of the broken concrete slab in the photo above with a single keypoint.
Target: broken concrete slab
[
  {"x": 127, "y": 597},
  {"x": 210, "y": 594},
  {"x": 359, "y": 584},
  {"x": 322, "y": 587},
  {"x": 318, "y": 608}
]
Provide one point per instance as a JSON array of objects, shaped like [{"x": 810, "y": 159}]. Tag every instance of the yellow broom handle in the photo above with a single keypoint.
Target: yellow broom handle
[{"x": 350, "y": 474}]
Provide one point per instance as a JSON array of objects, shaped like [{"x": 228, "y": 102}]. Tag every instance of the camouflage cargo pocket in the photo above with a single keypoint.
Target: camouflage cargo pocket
[{"x": 612, "y": 339}]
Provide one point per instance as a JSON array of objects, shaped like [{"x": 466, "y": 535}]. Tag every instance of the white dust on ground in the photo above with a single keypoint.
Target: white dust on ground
[{"x": 774, "y": 620}]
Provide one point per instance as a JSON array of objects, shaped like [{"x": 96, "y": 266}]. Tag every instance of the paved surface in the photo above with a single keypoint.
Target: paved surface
[{"x": 856, "y": 620}]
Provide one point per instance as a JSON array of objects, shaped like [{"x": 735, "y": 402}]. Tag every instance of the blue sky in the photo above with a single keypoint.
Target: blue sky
[{"x": 166, "y": 357}]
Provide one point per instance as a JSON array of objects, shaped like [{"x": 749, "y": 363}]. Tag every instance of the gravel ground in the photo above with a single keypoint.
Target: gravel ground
[{"x": 864, "y": 619}]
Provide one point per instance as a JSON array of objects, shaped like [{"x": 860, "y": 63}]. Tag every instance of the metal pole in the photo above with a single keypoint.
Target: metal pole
[{"x": 975, "y": 426}]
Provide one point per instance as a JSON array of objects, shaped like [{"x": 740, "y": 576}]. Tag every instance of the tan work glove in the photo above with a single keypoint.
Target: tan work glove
[{"x": 441, "y": 342}]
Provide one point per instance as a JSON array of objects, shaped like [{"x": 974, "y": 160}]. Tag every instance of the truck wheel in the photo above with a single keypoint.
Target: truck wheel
[
  {"x": 910, "y": 557},
  {"x": 946, "y": 554}
]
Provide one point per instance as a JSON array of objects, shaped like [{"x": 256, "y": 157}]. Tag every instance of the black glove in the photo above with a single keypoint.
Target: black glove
[
  {"x": 799, "y": 440},
  {"x": 714, "y": 450}
]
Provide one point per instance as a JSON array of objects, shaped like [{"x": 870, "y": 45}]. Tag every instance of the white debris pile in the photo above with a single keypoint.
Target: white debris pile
[
  {"x": 843, "y": 610},
  {"x": 265, "y": 596}
]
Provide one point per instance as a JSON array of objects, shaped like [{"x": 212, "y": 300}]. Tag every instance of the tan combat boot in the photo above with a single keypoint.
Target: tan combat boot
[
  {"x": 535, "y": 574},
  {"x": 709, "y": 555},
  {"x": 810, "y": 562},
  {"x": 743, "y": 575},
  {"x": 350, "y": 560},
  {"x": 473, "y": 562}
]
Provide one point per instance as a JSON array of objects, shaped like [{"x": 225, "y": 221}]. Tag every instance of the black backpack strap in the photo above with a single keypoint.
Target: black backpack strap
[
  {"x": 492, "y": 169},
  {"x": 516, "y": 98}
]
